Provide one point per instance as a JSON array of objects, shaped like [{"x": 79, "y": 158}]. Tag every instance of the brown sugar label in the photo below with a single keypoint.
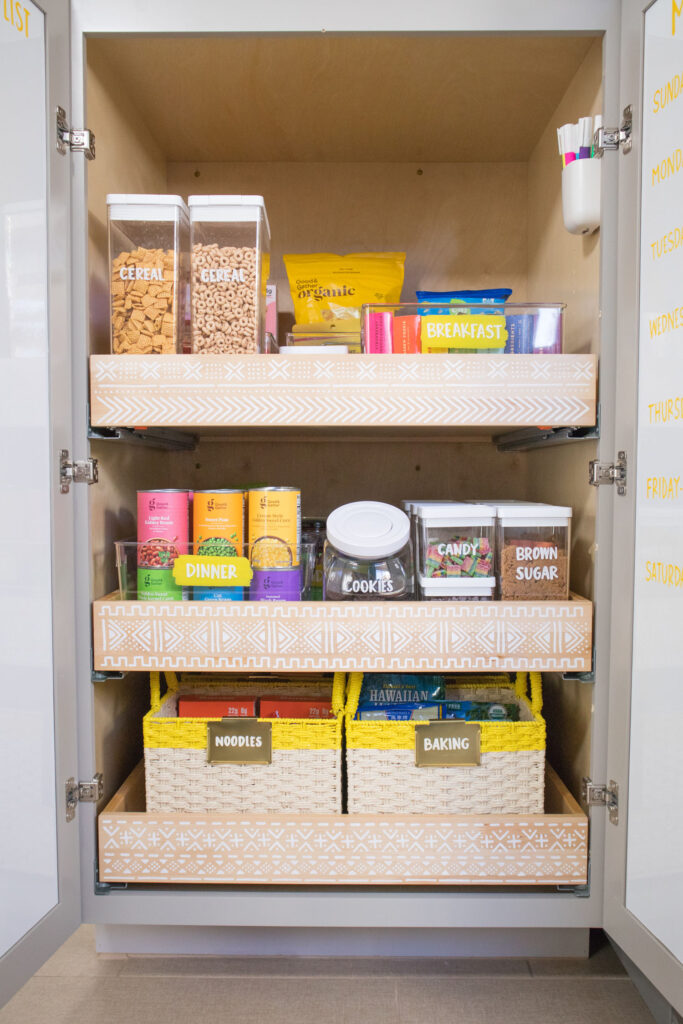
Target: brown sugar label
[
  {"x": 535, "y": 571},
  {"x": 441, "y": 744},
  {"x": 239, "y": 741}
]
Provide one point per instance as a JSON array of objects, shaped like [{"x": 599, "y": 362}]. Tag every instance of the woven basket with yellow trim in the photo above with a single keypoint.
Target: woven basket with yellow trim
[
  {"x": 305, "y": 773},
  {"x": 380, "y": 757}
]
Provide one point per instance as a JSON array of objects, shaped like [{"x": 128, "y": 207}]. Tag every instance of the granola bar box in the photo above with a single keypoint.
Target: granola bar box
[
  {"x": 149, "y": 240},
  {"x": 230, "y": 260},
  {"x": 533, "y": 552}
]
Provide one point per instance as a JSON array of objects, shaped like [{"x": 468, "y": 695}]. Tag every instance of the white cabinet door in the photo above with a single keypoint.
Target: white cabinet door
[
  {"x": 39, "y": 894},
  {"x": 644, "y": 851}
]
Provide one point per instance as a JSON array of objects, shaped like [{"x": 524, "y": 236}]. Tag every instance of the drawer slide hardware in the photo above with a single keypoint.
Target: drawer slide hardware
[
  {"x": 77, "y": 140},
  {"x": 75, "y": 471},
  {"x": 600, "y": 473},
  {"x": 608, "y": 139},
  {"x": 606, "y": 796},
  {"x": 82, "y": 793}
]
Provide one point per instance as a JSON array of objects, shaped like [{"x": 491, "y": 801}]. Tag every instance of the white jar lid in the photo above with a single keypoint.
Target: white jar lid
[
  {"x": 531, "y": 514},
  {"x": 452, "y": 511},
  {"x": 227, "y": 209},
  {"x": 123, "y": 206},
  {"x": 368, "y": 529}
]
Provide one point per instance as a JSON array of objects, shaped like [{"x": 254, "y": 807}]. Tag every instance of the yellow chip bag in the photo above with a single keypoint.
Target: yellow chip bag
[{"x": 327, "y": 288}]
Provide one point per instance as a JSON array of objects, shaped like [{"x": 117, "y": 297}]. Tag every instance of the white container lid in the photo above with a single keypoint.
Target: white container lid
[
  {"x": 410, "y": 504},
  {"x": 482, "y": 586},
  {"x": 530, "y": 514},
  {"x": 368, "y": 529},
  {"x": 144, "y": 207},
  {"x": 314, "y": 350},
  {"x": 455, "y": 511},
  {"x": 227, "y": 209}
]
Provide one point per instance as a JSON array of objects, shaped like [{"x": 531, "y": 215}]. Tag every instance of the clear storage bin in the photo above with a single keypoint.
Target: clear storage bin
[
  {"x": 533, "y": 552},
  {"x": 424, "y": 327},
  {"x": 455, "y": 540},
  {"x": 368, "y": 554},
  {"x": 149, "y": 262},
  {"x": 230, "y": 240}
]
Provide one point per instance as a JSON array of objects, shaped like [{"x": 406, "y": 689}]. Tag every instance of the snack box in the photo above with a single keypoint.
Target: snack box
[
  {"x": 216, "y": 707},
  {"x": 283, "y": 707},
  {"x": 412, "y": 712}
]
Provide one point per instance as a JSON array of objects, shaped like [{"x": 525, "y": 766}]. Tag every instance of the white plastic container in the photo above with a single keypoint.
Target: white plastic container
[
  {"x": 230, "y": 239},
  {"x": 455, "y": 540},
  {"x": 149, "y": 262},
  {"x": 581, "y": 180},
  {"x": 533, "y": 552},
  {"x": 368, "y": 554}
]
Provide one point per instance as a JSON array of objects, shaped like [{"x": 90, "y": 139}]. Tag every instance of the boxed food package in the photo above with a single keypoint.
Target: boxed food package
[
  {"x": 290, "y": 707},
  {"x": 215, "y": 707}
]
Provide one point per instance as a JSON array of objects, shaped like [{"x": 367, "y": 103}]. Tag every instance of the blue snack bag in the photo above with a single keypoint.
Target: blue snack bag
[
  {"x": 384, "y": 688},
  {"x": 457, "y": 302}
]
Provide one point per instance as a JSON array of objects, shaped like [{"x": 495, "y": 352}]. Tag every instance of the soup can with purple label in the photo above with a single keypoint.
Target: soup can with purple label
[{"x": 276, "y": 585}]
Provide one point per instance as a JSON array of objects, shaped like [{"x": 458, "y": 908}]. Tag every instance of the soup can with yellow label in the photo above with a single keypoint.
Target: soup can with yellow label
[{"x": 274, "y": 527}]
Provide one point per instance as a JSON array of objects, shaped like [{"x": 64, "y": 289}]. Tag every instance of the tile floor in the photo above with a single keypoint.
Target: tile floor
[{"x": 77, "y": 986}]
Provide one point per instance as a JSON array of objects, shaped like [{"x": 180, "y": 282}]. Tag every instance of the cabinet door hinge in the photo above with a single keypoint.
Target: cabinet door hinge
[
  {"x": 76, "y": 471},
  {"x": 609, "y": 473},
  {"x": 83, "y": 793},
  {"x": 615, "y": 138},
  {"x": 607, "y": 796},
  {"x": 78, "y": 140}
]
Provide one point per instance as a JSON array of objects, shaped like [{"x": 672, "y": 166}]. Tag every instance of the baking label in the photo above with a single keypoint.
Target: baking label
[
  {"x": 441, "y": 744},
  {"x": 211, "y": 571},
  {"x": 463, "y": 330},
  {"x": 239, "y": 741}
]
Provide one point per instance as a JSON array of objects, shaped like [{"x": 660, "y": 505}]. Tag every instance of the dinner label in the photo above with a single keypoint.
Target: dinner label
[{"x": 211, "y": 571}]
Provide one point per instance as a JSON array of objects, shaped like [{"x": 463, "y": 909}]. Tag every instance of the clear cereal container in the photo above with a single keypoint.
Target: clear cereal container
[
  {"x": 533, "y": 552},
  {"x": 456, "y": 540},
  {"x": 149, "y": 241},
  {"x": 367, "y": 554},
  {"x": 230, "y": 240}
]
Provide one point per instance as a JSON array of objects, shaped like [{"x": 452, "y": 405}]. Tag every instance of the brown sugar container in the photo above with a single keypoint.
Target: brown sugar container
[
  {"x": 149, "y": 273},
  {"x": 533, "y": 552},
  {"x": 230, "y": 259}
]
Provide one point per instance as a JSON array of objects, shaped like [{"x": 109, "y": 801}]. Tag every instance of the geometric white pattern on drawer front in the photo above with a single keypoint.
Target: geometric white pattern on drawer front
[
  {"x": 291, "y": 849},
  {"x": 358, "y": 391},
  {"x": 303, "y": 636}
]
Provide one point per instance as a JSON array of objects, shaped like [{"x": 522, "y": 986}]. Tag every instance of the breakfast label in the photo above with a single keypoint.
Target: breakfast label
[
  {"x": 463, "y": 330},
  {"x": 211, "y": 571},
  {"x": 239, "y": 741},
  {"x": 444, "y": 744}
]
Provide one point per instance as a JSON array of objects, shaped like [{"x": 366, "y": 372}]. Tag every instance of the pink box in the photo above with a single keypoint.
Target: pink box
[{"x": 271, "y": 310}]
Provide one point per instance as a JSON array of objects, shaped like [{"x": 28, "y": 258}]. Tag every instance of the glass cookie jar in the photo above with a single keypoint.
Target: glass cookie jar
[{"x": 368, "y": 554}]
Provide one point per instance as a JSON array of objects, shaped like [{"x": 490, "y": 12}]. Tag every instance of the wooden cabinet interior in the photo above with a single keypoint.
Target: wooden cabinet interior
[{"x": 457, "y": 167}]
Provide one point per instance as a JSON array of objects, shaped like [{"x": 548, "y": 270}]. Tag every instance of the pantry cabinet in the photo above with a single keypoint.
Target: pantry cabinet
[{"x": 430, "y": 130}]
